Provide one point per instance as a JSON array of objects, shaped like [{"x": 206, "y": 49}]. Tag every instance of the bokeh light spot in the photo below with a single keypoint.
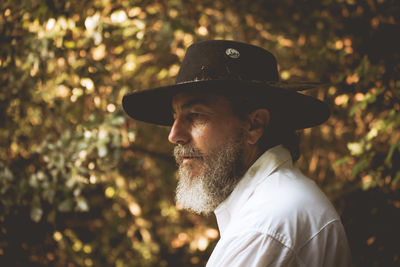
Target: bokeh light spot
[
  {"x": 110, "y": 108},
  {"x": 57, "y": 236},
  {"x": 110, "y": 192},
  {"x": 202, "y": 30}
]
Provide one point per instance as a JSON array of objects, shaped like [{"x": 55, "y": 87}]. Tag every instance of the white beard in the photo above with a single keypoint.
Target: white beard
[{"x": 221, "y": 170}]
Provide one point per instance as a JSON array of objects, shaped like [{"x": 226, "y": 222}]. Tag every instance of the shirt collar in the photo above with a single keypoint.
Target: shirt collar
[{"x": 264, "y": 166}]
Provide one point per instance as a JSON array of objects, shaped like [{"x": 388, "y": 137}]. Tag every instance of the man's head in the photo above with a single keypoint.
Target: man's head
[
  {"x": 228, "y": 107},
  {"x": 214, "y": 147}
]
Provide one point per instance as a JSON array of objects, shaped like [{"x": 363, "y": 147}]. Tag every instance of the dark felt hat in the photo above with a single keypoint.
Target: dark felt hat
[{"x": 230, "y": 67}]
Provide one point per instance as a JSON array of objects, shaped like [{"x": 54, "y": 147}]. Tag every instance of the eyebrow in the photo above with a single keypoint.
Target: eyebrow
[{"x": 194, "y": 101}]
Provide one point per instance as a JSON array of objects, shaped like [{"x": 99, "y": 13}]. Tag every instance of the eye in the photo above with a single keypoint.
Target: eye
[{"x": 194, "y": 116}]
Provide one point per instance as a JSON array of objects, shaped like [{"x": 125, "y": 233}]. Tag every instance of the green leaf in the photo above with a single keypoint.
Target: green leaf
[
  {"x": 81, "y": 204},
  {"x": 69, "y": 44},
  {"x": 342, "y": 161},
  {"x": 396, "y": 178},
  {"x": 102, "y": 150},
  {"x": 36, "y": 213},
  {"x": 65, "y": 206},
  {"x": 393, "y": 147},
  {"x": 360, "y": 166}
]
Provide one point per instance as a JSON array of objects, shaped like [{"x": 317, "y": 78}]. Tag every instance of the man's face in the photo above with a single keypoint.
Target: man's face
[{"x": 209, "y": 150}]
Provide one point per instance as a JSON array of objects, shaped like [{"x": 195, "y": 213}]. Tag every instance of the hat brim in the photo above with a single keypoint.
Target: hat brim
[{"x": 295, "y": 110}]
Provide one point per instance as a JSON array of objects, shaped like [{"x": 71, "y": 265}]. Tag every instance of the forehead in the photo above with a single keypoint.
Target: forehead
[{"x": 210, "y": 100}]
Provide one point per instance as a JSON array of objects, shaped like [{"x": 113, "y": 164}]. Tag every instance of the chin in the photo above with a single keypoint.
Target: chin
[{"x": 192, "y": 170}]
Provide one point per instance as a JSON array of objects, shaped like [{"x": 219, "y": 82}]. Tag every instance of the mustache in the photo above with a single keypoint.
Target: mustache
[{"x": 186, "y": 151}]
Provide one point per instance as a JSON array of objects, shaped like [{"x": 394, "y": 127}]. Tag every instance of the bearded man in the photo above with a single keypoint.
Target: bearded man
[{"x": 233, "y": 124}]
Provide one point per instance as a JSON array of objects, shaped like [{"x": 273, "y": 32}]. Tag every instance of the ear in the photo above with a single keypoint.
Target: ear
[{"x": 258, "y": 122}]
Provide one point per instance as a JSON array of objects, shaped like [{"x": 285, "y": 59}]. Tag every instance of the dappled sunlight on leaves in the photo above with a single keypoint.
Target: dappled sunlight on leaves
[{"x": 83, "y": 185}]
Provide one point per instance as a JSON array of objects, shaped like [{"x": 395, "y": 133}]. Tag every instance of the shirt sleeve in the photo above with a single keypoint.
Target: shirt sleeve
[
  {"x": 252, "y": 249},
  {"x": 327, "y": 248}
]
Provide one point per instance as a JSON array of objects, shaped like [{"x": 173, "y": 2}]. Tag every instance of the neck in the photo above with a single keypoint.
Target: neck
[{"x": 250, "y": 156}]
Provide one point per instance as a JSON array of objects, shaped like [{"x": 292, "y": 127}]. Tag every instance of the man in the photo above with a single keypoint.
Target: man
[{"x": 233, "y": 124}]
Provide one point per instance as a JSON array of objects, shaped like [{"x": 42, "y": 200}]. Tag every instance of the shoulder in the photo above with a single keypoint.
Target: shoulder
[
  {"x": 287, "y": 206},
  {"x": 288, "y": 188}
]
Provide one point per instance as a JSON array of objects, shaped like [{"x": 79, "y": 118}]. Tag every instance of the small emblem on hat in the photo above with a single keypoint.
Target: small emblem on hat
[{"x": 232, "y": 52}]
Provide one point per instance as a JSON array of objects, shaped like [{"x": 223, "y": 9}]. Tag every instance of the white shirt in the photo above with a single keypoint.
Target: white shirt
[{"x": 278, "y": 217}]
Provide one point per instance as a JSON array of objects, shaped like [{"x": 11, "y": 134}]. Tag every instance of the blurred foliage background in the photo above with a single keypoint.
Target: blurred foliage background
[{"x": 83, "y": 185}]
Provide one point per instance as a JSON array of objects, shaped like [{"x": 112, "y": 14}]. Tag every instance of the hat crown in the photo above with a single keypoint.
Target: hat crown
[{"x": 227, "y": 60}]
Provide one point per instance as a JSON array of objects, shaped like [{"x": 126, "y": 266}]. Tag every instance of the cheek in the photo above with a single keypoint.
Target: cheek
[
  {"x": 211, "y": 136},
  {"x": 202, "y": 136}
]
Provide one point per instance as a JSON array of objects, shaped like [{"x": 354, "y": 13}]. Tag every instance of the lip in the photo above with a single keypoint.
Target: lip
[{"x": 189, "y": 159}]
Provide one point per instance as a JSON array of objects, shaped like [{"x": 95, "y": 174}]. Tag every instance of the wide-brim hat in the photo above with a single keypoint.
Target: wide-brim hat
[{"x": 229, "y": 67}]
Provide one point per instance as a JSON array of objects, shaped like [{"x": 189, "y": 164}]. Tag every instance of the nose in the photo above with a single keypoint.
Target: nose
[{"x": 179, "y": 133}]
